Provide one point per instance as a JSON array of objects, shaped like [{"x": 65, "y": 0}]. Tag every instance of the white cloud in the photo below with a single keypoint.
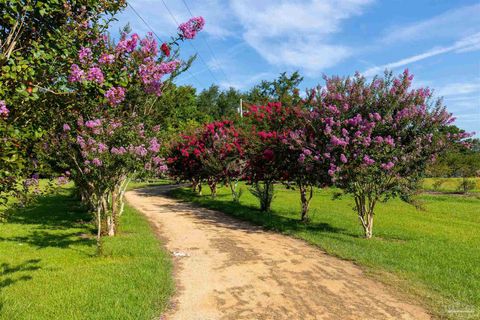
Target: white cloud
[
  {"x": 469, "y": 43},
  {"x": 247, "y": 81},
  {"x": 160, "y": 20},
  {"x": 454, "y": 23},
  {"x": 297, "y": 34},
  {"x": 460, "y": 89}
]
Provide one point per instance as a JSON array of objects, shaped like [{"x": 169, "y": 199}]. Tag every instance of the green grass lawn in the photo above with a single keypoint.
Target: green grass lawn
[
  {"x": 49, "y": 268},
  {"x": 433, "y": 254},
  {"x": 447, "y": 184}
]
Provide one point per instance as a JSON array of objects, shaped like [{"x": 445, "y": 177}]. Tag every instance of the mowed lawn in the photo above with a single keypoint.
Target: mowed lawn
[
  {"x": 433, "y": 254},
  {"x": 49, "y": 268},
  {"x": 448, "y": 184}
]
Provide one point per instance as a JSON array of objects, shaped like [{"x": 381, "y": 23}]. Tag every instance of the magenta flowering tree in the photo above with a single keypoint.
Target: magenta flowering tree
[
  {"x": 184, "y": 162},
  {"x": 266, "y": 148},
  {"x": 213, "y": 153},
  {"x": 222, "y": 155},
  {"x": 382, "y": 134},
  {"x": 106, "y": 137},
  {"x": 305, "y": 159}
]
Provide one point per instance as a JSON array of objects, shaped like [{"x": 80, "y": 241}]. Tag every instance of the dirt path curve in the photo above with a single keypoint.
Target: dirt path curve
[{"x": 233, "y": 270}]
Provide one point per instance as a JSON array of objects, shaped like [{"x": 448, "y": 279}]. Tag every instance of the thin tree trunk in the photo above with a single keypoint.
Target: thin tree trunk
[
  {"x": 213, "y": 188},
  {"x": 233, "y": 188},
  {"x": 99, "y": 228},
  {"x": 305, "y": 199},
  {"x": 365, "y": 210},
  {"x": 112, "y": 230}
]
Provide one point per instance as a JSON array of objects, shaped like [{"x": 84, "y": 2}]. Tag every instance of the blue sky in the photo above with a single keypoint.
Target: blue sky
[{"x": 253, "y": 40}]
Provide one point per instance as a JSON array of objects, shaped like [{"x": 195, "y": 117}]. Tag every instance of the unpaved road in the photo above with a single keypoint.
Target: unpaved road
[{"x": 233, "y": 270}]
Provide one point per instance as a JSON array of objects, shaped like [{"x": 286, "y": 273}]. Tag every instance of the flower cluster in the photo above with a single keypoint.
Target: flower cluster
[
  {"x": 115, "y": 95},
  {"x": 3, "y": 109},
  {"x": 190, "y": 28}
]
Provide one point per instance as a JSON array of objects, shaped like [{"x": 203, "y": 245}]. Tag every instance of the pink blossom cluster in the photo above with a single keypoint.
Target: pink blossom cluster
[
  {"x": 115, "y": 95},
  {"x": 106, "y": 58},
  {"x": 127, "y": 45},
  {"x": 3, "y": 109},
  {"x": 189, "y": 29},
  {"x": 76, "y": 74},
  {"x": 93, "y": 123},
  {"x": 85, "y": 55},
  {"x": 118, "y": 151},
  {"x": 95, "y": 74},
  {"x": 149, "y": 46}
]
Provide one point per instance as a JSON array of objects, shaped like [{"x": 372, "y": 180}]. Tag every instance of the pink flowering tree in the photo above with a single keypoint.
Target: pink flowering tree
[
  {"x": 295, "y": 152},
  {"x": 266, "y": 150},
  {"x": 184, "y": 162},
  {"x": 222, "y": 155},
  {"x": 106, "y": 137},
  {"x": 382, "y": 134},
  {"x": 213, "y": 153}
]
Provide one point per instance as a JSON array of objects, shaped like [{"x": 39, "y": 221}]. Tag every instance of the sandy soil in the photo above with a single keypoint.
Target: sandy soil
[{"x": 228, "y": 269}]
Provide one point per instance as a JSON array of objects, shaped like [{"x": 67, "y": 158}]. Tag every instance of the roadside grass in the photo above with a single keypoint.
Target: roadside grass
[
  {"x": 432, "y": 254},
  {"x": 49, "y": 268},
  {"x": 447, "y": 184}
]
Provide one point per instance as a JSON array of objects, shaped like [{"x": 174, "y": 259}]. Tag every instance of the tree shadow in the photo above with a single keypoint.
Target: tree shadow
[
  {"x": 11, "y": 274},
  {"x": 56, "y": 221}
]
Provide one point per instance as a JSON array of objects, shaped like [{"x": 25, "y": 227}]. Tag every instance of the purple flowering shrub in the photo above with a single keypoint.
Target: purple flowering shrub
[
  {"x": 382, "y": 134},
  {"x": 107, "y": 137}
]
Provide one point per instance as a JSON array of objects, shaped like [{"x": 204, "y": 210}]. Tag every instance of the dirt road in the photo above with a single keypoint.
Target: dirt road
[{"x": 228, "y": 269}]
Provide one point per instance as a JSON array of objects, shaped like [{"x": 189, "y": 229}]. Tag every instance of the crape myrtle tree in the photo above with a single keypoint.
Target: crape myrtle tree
[
  {"x": 106, "y": 136},
  {"x": 305, "y": 158},
  {"x": 213, "y": 153},
  {"x": 286, "y": 148},
  {"x": 270, "y": 126},
  {"x": 382, "y": 134},
  {"x": 184, "y": 162},
  {"x": 38, "y": 39},
  {"x": 222, "y": 155}
]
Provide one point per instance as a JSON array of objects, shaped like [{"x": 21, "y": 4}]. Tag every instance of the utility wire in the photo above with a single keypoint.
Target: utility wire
[
  {"x": 208, "y": 46},
  {"x": 195, "y": 48},
  {"x": 145, "y": 22},
  {"x": 159, "y": 39}
]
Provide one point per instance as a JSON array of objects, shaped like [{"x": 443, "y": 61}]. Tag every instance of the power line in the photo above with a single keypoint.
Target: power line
[
  {"x": 208, "y": 46},
  {"x": 201, "y": 58},
  {"x": 159, "y": 39},
  {"x": 145, "y": 22}
]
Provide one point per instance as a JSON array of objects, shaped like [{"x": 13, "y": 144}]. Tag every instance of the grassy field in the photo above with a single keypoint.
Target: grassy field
[
  {"x": 432, "y": 253},
  {"x": 447, "y": 184},
  {"x": 49, "y": 268}
]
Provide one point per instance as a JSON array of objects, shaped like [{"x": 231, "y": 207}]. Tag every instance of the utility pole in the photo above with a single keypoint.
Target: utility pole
[{"x": 240, "y": 110}]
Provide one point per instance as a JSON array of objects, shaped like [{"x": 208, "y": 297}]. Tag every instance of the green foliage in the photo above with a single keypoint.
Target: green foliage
[
  {"x": 49, "y": 269},
  {"x": 264, "y": 192},
  {"x": 284, "y": 89},
  {"x": 458, "y": 162},
  {"x": 466, "y": 185},
  {"x": 431, "y": 254},
  {"x": 39, "y": 39}
]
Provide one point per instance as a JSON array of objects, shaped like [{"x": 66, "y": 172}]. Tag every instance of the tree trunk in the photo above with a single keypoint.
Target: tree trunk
[
  {"x": 365, "y": 209},
  {"x": 305, "y": 199},
  {"x": 99, "y": 228},
  {"x": 213, "y": 188},
  {"x": 112, "y": 225},
  {"x": 369, "y": 226},
  {"x": 234, "y": 189},
  {"x": 199, "y": 188}
]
